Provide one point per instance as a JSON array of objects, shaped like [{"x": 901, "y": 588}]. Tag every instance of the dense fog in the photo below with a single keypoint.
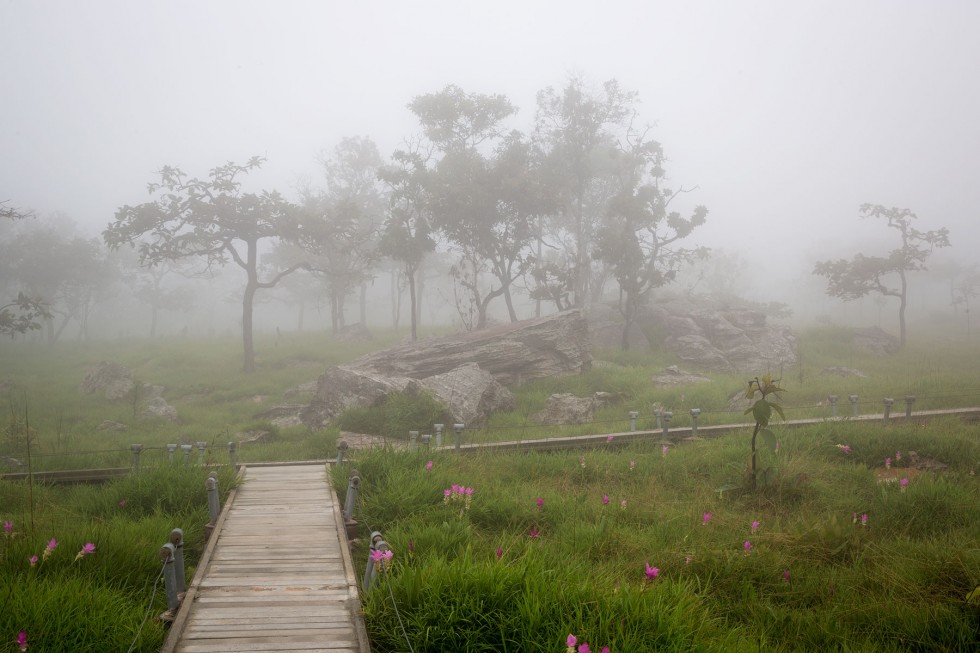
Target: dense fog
[{"x": 710, "y": 150}]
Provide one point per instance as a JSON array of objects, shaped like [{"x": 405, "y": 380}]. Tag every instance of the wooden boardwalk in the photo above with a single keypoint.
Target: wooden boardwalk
[{"x": 277, "y": 574}]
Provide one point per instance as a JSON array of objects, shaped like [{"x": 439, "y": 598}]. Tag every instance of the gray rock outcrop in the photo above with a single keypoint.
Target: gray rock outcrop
[
  {"x": 673, "y": 375},
  {"x": 875, "y": 340},
  {"x": 115, "y": 381},
  {"x": 566, "y": 408}
]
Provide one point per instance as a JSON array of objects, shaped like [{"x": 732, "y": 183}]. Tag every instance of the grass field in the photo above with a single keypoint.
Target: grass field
[{"x": 571, "y": 565}]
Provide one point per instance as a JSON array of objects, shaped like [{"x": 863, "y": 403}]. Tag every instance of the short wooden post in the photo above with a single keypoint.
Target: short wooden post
[
  {"x": 438, "y": 428},
  {"x": 459, "y": 434},
  {"x": 909, "y": 400},
  {"x": 888, "y": 409},
  {"x": 171, "y": 448},
  {"x": 854, "y": 404},
  {"x": 633, "y": 415},
  {"x": 833, "y": 405},
  {"x": 169, "y": 580},
  {"x": 136, "y": 449},
  {"x": 695, "y": 413},
  {"x": 233, "y": 453},
  {"x": 177, "y": 539},
  {"x": 341, "y": 450},
  {"x": 667, "y": 416}
]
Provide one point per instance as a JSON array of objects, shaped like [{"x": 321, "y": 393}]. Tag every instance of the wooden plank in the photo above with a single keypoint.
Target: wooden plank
[{"x": 280, "y": 576}]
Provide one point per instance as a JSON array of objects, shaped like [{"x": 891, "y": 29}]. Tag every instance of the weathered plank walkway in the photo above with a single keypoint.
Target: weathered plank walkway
[{"x": 279, "y": 575}]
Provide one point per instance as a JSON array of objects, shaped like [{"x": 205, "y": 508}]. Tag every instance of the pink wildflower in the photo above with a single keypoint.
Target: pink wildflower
[
  {"x": 605, "y": 499},
  {"x": 898, "y": 456},
  {"x": 632, "y": 465},
  {"x": 748, "y": 547},
  {"x": 21, "y": 640},
  {"x": 609, "y": 439},
  {"x": 622, "y": 504},
  {"x": 651, "y": 572},
  {"x": 864, "y": 519},
  {"x": 8, "y": 527},
  {"x": 534, "y": 533},
  {"x": 540, "y": 502},
  {"x": 605, "y": 649},
  {"x": 32, "y": 560},
  {"x": 584, "y": 648},
  {"x": 87, "y": 549},
  {"x": 500, "y": 552},
  {"x": 786, "y": 576},
  {"x": 570, "y": 642},
  {"x": 888, "y": 463},
  {"x": 904, "y": 483},
  {"x": 844, "y": 448},
  {"x": 755, "y": 525},
  {"x": 663, "y": 450},
  {"x": 49, "y": 549},
  {"x": 123, "y": 502},
  {"x": 705, "y": 518},
  {"x": 428, "y": 466}
]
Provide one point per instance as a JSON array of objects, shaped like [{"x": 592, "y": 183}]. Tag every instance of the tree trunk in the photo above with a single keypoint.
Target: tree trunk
[
  {"x": 363, "y": 314},
  {"x": 411, "y": 295},
  {"x": 901, "y": 311},
  {"x": 247, "y": 301}
]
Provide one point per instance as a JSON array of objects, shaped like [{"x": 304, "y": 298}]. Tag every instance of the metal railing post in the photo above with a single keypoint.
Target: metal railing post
[
  {"x": 187, "y": 449},
  {"x": 202, "y": 447},
  {"x": 177, "y": 539},
  {"x": 169, "y": 577},
  {"x": 426, "y": 440},
  {"x": 341, "y": 450},
  {"x": 136, "y": 449},
  {"x": 633, "y": 415},
  {"x": 171, "y": 448},
  {"x": 413, "y": 439},
  {"x": 658, "y": 412},
  {"x": 370, "y": 573},
  {"x": 833, "y": 405},
  {"x": 695, "y": 413},
  {"x": 888, "y": 409},
  {"x": 854, "y": 404},
  {"x": 350, "y": 501},
  {"x": 909, "y": 400},
  {"x": 214, "y": 505},
  {"x": 459, "y": 434},
  {"x": 667, "y": 415},
  {"x": 233, "y": 453},
  {"x": 438, "y": 428}
]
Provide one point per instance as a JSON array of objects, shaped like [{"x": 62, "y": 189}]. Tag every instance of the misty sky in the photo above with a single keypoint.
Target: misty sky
[{"x": 786, "y": 115}]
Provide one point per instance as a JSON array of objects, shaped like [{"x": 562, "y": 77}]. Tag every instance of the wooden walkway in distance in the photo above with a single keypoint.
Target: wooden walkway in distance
[{"x": 279, "y": 575}]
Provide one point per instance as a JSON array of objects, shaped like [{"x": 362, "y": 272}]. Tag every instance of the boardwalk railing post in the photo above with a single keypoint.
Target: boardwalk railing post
[
  {"x": 667, "y": 415},
  {"x": 370, "y": 572},
  {"x": 658, "y": 412},
  {"x": 413, "y": 439},
  {"x": 177, "y": 539},
  {"x": 341, "y": 450},
  {"x": 214, "y": 506},
  {"x": 633, "y": 415},
  {"x": 169, "y": 579},
  {"x": 350, "y": 501},
  {"x": 426, "y": 440},
  {"x": 854, "y": 404},
  {"x": 438, "y": 428},
  {"x": 187, "y": 449},
  {"x": 459, "y": 434},
  {"x": 833, "y": 405},
  {"x": 171, "y": 448},
  {"x": 909, "y": 400},
  {"x": 888, "y": 409},
  {"x": 136, "y": 449},
  {"x": 233, "y": 453},
  {"x": 695, "y": 413},
  {"x": 202, "y": 447}
]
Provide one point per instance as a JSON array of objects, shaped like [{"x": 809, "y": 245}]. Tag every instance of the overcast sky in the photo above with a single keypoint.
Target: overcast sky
[{"x": 786, "y": 115}]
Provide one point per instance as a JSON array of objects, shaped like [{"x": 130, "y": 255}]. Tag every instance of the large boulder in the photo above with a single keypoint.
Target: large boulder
[
  {"x": 566, "y": 408},
  {"x": 112, "y": 379},
  {"x": 722, "y": 338},
  {"x": 465, "y": 372},
  {"x": 875, "y": 340}
]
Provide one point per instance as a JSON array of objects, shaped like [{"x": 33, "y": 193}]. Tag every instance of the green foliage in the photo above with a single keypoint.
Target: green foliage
[{"x": 395, "y": 416}]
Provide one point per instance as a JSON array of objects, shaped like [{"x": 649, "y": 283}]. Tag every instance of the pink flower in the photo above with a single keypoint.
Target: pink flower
[
  {"x": 49, "y": 549},
  {"x": 382, "y": 558},
  {"x": 622, "y": 504},
  {"x": 571, "y": 641},
  {"x": 705, "y": 518},
  {"x": 605, "y": 499},
  {"x": 898, "y": 456},
  {"x": 748, "y": 547},
  {"x": 651, "y": 572},
  {"x": 540, "y": 502},
  {"x": 500, "y": 552},
  {"x": 609, "y": 439},
  {"x": 411, "y": 547},
  {"x": 8, "y": 527},
  {"x": 534, "y": 533},
  {"x": 904, "y": 483},
  {"x": 584, "y": 648},
  {"x": 755, "y": 525},
  {"x": 888, "y": 463},
  {"x": 864, "y": 519},
  {"x": 663, "y": 450},
  {"x": 786, "y": 576},
  {"x": 844, "y": 448},
  {"x": 632, "y": 465},
  {"x": 605, "y": 649},
  {"x": 123, "y": 502},
  {"x": 87, "y": 549},
  {"x": 32, "y": 560},
  {"x": 428, "y": 466},
  {"x": 21, "y": 640}
]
